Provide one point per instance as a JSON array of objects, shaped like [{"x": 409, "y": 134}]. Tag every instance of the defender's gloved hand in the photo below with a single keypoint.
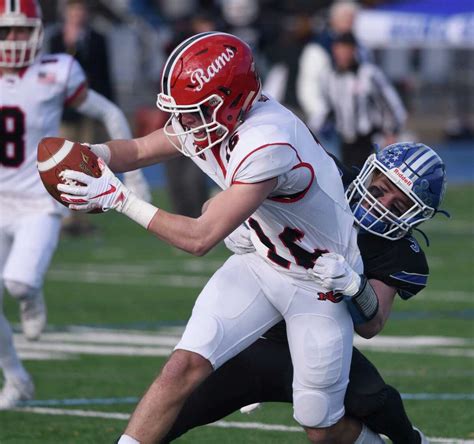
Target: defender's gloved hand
[{"x": 333, "y": 272}]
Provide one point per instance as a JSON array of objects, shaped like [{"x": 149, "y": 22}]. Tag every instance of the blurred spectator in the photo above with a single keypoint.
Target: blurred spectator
[
  {"x": 76, "y": 37},
  {"x": 243, "y": 18},
  {"x": 364, "y": 104},
  {"x": 147, "y": 10},
  {"x": 177, "y": 9},
  {"x": 315, "y": 60}
]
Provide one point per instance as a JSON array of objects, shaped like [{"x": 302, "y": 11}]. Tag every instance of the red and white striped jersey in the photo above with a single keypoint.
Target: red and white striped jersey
[{"x": 307, "y": 213}]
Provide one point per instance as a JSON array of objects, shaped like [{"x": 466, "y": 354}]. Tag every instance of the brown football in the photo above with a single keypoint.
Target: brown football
[{"x": 56, "y": 154}]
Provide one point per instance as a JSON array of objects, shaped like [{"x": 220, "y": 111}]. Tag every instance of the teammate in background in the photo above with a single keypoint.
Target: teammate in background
[
  {"x": 398, "y": 188},
  {"x": 280, "y": 180},
  {"x": 34, "y": 90}
]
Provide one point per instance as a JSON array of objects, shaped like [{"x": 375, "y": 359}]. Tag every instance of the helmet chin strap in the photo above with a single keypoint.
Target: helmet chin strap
[{"x": 444, "y": 213}]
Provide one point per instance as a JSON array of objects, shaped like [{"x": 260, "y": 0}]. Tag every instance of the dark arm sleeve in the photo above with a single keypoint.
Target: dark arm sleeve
[{"x": 401, "y": 264}]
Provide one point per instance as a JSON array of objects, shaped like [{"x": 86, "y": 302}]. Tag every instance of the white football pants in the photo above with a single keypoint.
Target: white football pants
[
  {"x": 27, "y": 243},
  {"x": 244, "y": 298}
]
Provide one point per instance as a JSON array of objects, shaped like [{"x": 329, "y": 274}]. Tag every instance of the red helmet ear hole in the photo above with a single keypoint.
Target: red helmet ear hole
[
  {"x": 225, "y": 90},
  {"x": 236, "y": 101}
]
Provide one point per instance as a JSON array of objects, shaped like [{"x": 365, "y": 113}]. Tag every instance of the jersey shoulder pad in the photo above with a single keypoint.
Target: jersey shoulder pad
[
  {"x": 264, "y": 163},
  {"x": 255, "y": 158}
]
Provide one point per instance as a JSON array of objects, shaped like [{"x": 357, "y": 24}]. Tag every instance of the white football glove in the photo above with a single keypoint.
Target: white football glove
[
  {"x": 104, "y": 192},
  {"x": 333, "y": 272},
  {"x": 239, "y": 241},
  {"x": 100, "y": 150},
  {"x": 135, "y": 181}
]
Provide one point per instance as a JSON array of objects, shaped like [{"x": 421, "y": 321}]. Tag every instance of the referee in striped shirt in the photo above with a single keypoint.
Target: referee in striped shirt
[{"x": 361, "y": 100}]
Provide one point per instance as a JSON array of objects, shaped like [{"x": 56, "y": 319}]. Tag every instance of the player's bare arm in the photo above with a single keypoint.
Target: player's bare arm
[
  {"x": 385, "y": 295},
  {"x": 224, "y": 213},
  {"x": 196, "y": 236},
  {"x": 127, "y": 155}
]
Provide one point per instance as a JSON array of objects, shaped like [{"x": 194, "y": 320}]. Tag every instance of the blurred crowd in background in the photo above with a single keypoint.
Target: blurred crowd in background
[
  {"x": 425, "y": 82},
  {"x": 435, "y": 81}
]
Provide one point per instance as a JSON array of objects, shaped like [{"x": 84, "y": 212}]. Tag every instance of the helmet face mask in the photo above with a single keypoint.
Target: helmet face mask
[
  {"x": 416, "y": 171},
  {"x": 207, "y": 133},
  {"x": 212, "y": 77},
  {"x": 25, "y": 14}
]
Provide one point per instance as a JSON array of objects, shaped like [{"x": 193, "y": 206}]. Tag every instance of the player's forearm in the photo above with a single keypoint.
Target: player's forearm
[
  {"x": 371, "y": 328},
  {"x": 385, "y": 295},
  {"x": 185, "y": 233},
  {"x": 123, "y": 155},
  {"x": 127, "y": 155}
]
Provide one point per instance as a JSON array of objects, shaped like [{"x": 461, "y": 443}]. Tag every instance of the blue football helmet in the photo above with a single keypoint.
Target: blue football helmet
[{"x": 416, "y": 170}]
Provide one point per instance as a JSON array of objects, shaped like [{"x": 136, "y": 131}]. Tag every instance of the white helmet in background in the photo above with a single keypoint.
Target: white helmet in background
[{"x": 20, "y": 14}]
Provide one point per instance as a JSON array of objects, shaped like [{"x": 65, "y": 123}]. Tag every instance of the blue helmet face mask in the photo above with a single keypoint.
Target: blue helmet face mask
[{"x": 416, "y": 170}]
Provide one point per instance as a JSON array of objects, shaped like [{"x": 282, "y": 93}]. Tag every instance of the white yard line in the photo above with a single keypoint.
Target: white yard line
[
  {"x": 221, "y": 424},
  {"x": 99, "y": 276},
  {"x": 445, "y": 296},
  {"x": 155, "y": 274},
  {"x": 95, "y": 341}
]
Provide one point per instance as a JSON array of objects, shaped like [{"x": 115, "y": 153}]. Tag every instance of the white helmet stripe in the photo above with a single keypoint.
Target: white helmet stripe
[
  {"x": 416, "y": 154},
  {"x": 425, "y": 168},
  {"x": 418, "y": 163},
  {"x": 12, "y": 7}
]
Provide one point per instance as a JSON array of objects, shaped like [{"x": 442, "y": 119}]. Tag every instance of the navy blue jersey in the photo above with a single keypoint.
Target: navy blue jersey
[{"x": 401, "y": 264}]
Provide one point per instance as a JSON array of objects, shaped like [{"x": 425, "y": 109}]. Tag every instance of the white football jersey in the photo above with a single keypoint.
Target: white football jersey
[
  {"x": 31, "y": 106},
  {"x": 307, "y": 214}
]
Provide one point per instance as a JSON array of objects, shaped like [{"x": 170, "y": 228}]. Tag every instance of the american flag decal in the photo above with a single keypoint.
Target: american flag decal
[{"x": 46, "y": 77}]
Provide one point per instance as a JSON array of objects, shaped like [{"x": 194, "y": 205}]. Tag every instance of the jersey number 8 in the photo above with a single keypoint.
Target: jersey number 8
[{"x": 12, "y": 141}]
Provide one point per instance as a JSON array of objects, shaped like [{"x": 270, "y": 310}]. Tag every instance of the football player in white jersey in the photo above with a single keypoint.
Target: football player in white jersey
[
  {"x": 280, "y": 181},
  {"x": 34, "y": 90}
]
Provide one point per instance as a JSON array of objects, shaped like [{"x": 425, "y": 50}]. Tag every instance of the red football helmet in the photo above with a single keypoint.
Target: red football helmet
[
  {"x": 16, "y": 53},
  {"x": 212, "y": 77}
]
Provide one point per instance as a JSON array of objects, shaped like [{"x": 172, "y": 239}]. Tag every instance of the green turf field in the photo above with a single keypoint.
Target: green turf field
[{"x": 118, "y": 301}]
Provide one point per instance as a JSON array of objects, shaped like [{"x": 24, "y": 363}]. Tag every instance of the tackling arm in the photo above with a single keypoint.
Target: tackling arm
[
  {"x": 369, "y": 302},
  {"x": 386, "y": 296}
]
